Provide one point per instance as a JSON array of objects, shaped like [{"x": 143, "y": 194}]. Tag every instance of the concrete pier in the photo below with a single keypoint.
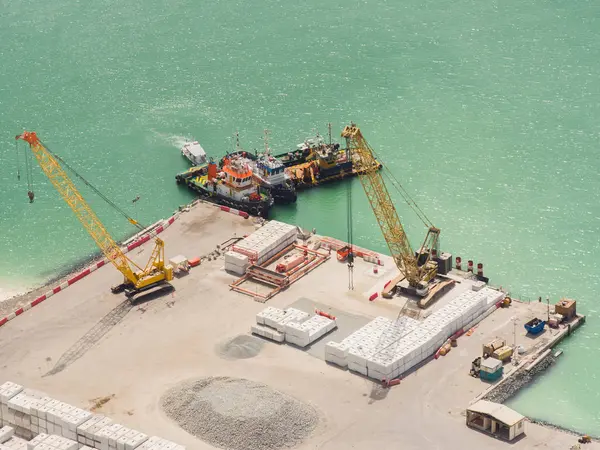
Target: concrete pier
[{"x": 96, "y": 344}]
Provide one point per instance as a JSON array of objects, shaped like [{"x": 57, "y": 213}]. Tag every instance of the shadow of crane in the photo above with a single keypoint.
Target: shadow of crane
[{"x": 81, "y": 347}]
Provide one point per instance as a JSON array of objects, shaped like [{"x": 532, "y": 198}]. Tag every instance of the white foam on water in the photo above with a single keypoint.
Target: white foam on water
[{"x": 174, "y": 140}]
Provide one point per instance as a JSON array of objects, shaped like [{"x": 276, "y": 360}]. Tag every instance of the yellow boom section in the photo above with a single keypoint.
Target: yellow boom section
[
  {"x": 154, "y": 271},
  {"x": 366, "y": 165}
]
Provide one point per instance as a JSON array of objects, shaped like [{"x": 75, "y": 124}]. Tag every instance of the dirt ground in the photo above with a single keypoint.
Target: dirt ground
[{"x": 97, "y": 345}]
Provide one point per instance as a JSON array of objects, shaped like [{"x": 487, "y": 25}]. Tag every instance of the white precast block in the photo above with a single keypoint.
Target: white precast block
[
  {"x": 291, "y": 315},
  {"x": 297, "y": 330},
  {"x": 6, "y": 433},
  {"x": 380, "y": 364},
  {"x": 151, "y": 442},
  {"x": 131, "y": 440},
  {"x": 89, "y": 427},
  {"x": 357, "y": 368},
  {"x": 271, "y": 313},
  {"x": 268, "y": 333},
  {"x": 44, "y": 446},
  {"x": 235, "y": 269},
  {"x": 342, "y": 362},
  {"x": 236, "y": 259},
  {"x": 91, "y": 431},
  {"x": 358, "y": 356},
  {"x": 160, "y": 444},
  {"x": 376, "y": 375},
  {"x": 300, "y": 342},
  {"x": 8, "y": 390},
  {"x": 36, "y": 441},
  {"x": 339, "y": 350}
]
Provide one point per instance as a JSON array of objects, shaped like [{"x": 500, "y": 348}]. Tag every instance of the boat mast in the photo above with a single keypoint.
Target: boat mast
[
  {"x": 267, "y": 151},
  {"x": 329, "y": 128},
  {"x": 237, "y": 141}
]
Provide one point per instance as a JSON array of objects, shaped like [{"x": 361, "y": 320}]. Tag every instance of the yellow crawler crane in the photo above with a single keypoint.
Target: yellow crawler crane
[
  {"x": 136, "y": 279},
  {"x": 417, "y": 268}
]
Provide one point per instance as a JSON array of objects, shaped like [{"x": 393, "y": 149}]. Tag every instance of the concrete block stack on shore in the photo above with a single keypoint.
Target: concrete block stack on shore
[
  {"x": 385, "y": 348},
  {"x": 292, "y": 325},
  {"x": 43, "y": 423},
  {"x": 260, "y": 246}
]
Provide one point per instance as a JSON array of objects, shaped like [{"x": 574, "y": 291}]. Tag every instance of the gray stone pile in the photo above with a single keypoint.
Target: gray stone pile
[{"x": 239, "y": 414}]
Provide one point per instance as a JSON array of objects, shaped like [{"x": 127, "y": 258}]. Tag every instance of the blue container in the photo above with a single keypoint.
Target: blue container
[{"x": 535, "y": 326}]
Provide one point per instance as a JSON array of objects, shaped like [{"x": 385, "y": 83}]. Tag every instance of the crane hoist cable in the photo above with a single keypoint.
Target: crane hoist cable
[
  {"x": 17, "y": 161},
  {"x": 96, "y": 190},
  {"x": 93, "y": 188},
  {"x": 29, "y": 175},
  {"x": 406, "y": 197},
  {"x": 350, "y": 237},
  {"x": 403, "y": 192}
]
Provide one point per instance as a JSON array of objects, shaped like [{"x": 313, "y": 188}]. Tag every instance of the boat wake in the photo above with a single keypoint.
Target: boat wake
[{"x": 174, "y": 140}]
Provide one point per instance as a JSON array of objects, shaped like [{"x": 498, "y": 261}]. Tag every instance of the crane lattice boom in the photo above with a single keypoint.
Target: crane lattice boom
[
  {"x": 412, "y": 267},
  {"x": 154, "y": 270}
]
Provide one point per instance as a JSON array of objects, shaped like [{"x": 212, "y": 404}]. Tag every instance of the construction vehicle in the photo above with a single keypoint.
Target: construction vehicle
[
  {"x": 417, "y": 268},
  {"x": 136, "y": 278},
  {"x": 475, "y": 367}
]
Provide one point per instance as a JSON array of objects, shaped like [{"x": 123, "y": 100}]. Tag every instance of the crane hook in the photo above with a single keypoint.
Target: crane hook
[{"x": 31, "y": 196}]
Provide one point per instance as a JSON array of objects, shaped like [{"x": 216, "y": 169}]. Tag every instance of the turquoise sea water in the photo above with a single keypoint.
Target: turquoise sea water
[{"x": 488, "y": 113}]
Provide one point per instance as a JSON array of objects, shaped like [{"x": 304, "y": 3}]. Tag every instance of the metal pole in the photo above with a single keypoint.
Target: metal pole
[
  {"x": 515, "y": 349},
  {"x": 548, "y": 302}
]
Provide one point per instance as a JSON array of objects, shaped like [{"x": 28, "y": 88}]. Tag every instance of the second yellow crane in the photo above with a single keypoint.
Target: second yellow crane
[
  {"x": 417, "y": 268},
  {"x": 136, "y": 278}
]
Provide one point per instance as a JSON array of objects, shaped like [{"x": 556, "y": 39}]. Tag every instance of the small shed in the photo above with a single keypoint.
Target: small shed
[
  {"x": 567, "y": 308},
  {"x": 495, "y": 419}
]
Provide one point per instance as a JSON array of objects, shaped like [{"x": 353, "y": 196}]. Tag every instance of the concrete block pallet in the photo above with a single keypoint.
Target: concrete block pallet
[
  {"x": 292, "y": 325},
  {"x": 33, "y": 421},
  {"x": 265, "y": 242}
]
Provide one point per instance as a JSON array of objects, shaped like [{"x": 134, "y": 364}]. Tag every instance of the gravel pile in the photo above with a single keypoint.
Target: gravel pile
[
  {"x": 240, "y": 347},
  {"x": 238, "y": 414}
]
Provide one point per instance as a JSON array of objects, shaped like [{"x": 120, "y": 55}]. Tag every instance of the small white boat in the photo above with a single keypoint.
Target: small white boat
[{"x": 194, "y": 152}]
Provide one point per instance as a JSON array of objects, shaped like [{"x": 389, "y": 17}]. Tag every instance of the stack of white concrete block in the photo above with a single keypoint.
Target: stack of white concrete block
[
  {"x": 13, "y": 442},
  {"x": 236, "y": 262},
  {"x": 290, "y": 315},
  {"x": 52, "y": 442},
  {"x": 292, "y": 325},
  {"x": 304, "y": 333},
  {"x": 464, "y": 309},
  {"x": 385, "y": 348},
  {"x": 260, "y": 246},
  {"x": 156, "y": 443},
  {"x": 374, "y": 345},
  {"x": 54, "y": 425}
]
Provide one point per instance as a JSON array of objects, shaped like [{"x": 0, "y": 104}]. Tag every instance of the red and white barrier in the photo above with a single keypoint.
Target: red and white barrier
[
  {"x": 236, "y": 212},
  {"x": 84, "y": 273}
]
